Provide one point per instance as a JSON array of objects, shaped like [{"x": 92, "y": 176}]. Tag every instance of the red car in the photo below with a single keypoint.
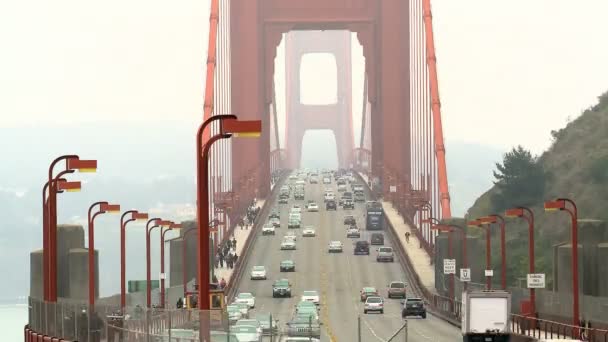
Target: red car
[{"x": 367, "y": 292}]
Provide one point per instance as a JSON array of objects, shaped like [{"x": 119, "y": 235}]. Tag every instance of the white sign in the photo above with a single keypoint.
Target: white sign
[
  {"x": 449, "y": 266},
  {"x": 162, "y": 276},
  {"x": 489, "y": 273},
  {"x": 536, "y": 280},
  {"x": 392, "y": 188},
  {"x": 465, "y": 274}
]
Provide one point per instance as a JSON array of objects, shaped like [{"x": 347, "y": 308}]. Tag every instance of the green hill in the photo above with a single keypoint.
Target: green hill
[{"x": 576, "y": 167}]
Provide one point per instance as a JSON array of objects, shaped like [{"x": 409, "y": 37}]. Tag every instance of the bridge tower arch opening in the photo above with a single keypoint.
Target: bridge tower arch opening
[{"x": 319, "y": 150}]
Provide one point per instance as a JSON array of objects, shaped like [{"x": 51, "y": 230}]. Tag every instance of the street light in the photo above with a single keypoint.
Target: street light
[
  {"x": 104, "y": 207},
  {"x": 521, "y": 212},
  {"x": 152, "y": 223},
  {"x": 184, "y": 270},
  {"x": 73, "y": 162},
  {"x": 45, "y": 231},
  {"x": 448, "y": 230},
  {"x": 561, "y": 204},
  {"x": 494, "y": 218},
  {"x": 173, "y": 226},
  {"x": 135, "y": 216},
  {"x": 229, "y": 126},
  {"x": 478, "y": 224}
]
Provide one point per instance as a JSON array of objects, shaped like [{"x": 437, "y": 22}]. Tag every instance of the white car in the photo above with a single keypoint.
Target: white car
[
  {"x": 268, "y": 229},
  {"x": 250, "y": 322},
  {"x": 374, "y": 303},
  {"x": 247, "y": 298},
  {"x": 246, "y": 333},
  {"x": 326, "y": 180},
  {"x": 275, "y": 222},
  {"x": 310, "y": 296},
  {"x": 313, "y": 207},
  {"x": 335, "y": 247},
  {"x": 309, "y": 231},
  {"x": 288, "y": 244},
  {"x": 258, "y": 273},
  {"x": 296, "y": 209},
  {"x": 353, "y": 232},
  {"x": 342, "y": 187},
  {"x": 314, "y": 180},
  {"x": 291, "y": 236},
  {"x": 329, "y": 196}
]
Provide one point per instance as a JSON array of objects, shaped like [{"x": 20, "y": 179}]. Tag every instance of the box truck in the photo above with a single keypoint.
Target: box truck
[{"x": 485, "y": 316}]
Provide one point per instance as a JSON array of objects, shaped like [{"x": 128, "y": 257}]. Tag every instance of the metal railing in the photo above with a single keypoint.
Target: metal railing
[{"x": 545, "y": 329}]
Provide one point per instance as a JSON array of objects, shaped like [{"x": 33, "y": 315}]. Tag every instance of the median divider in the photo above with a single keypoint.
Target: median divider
[{"x": 237, "y": 273}]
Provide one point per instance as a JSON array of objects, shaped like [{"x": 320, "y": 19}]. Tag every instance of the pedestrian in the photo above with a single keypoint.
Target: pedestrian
[
  {"x": 223, "y": 283},
  {"x": 180, "y": 303},
  {"x": 214, "y": 279},
  {"x": 222, "y": 262},
  {"x": 234, "y": 243},
  {"x": 407, "y": 237},
  {"x": 236, "y": 257},
  {"x": 217, "y": 260}
]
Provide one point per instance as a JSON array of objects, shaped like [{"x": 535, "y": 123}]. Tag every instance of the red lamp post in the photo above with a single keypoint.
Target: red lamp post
[
  {"x": 561, "y": 204},
  {"x": 229, "y": 125},
  {"x": 104, "y": 207},
  {"x": 173, "y": 226},
  {"x": 503, "y": 253},
  {"x": 152, "y": 223},
  {"x": 73, "y": 162},
  {"x": 429, "y": 207},
  {"x": 135, "y": 216},
  {"x": 184, "y": 276},
  {"x": 478, "y": 224},
  {"x": 527, "y": 215}
]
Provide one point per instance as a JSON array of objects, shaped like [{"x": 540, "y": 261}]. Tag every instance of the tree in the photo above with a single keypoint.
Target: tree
[{"x": 520, "y": 180}]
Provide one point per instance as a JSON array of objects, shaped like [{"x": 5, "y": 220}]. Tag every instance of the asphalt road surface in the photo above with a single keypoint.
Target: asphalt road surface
[{"x": 337, "y": 277}]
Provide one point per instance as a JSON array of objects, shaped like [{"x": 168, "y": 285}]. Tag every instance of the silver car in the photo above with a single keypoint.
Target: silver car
[{"x": 385, "y": 254}]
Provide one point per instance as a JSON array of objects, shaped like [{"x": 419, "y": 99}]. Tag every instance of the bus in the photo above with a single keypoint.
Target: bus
[{"x": 374, "y": 216}]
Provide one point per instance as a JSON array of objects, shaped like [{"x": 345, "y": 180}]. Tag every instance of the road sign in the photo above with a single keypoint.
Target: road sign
[
  {"x": 536, "y": 280},
  {"x": 449, "y": 266},
  {"x": 465, "y": 274},
  {"x": 489, "y": 273},
  {"x": 392, "y": 188}
]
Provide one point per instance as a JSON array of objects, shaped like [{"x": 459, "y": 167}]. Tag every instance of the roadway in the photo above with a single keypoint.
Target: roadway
[{"x": 337, "y": 277}]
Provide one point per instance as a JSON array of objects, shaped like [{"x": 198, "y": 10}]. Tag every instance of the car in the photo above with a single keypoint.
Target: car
[
  {"x": 294, "y": 223},
  {"x": 341, "y": 187},
  {"x": 329, "y": 196},
  {"x": 312, "y": 207},
  {"x": 348, "y": 204},
  {"x": 299, "y": 195},
  {"x": 353, "y": 232},
  {"x": 268, "y": 229},
  {"x": 275, "y": 222},
  {"x": 396, "y": 289},
  {"x": 361, "y": 247},
  {"x": 359, "y": 197},
  {"x": 330, "y": 205},
  {"x": 281, "y": 288},
  {"x": 243, "y": 307},
  {"x": 326, "y": 180},
  {"x": 313, "y": 180},
  {"x": 274, "y": 214},
  {"x": 267, "y": 324},
  {"x": 258, "y": 273},
  {"x": 299, "y": 339},
  {"x": 283, "y": 200},
  {"x": 309, "y": 231},
  {"x": 249, "y": 322},
  {"x": 287, "y": 266},
  {"x": 377, "y": 239},
  {"x": 366, "y": 292},
  {"x": 307, "y": 308},
  {"x": 293, "y": 177},
  {"x": 234, "y": 313},
  {"x": 385, "y": 254},
  {"x": 413, "y": 307},
  {"x": 246, "y": 333},
  {"x": 374, "y": 303},
  {"x": 310, "y": 296},
  {"x": 295, "y": 209},
  {"x": 349, "y": 220},
  {"x": 335, "y": 247},
  {"x": 288, "y": 244},
  {"x": 247, "y": 298},
  {"x": 304, "y": 326}
]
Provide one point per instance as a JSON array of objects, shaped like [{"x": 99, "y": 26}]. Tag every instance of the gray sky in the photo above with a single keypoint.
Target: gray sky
[{"x": 514, "y": 70}]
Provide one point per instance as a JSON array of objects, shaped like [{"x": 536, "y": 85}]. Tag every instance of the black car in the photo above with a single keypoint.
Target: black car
[
  {"x": 361, "y": 247},
  {"x": 330, "y": 205},
  {"x": 413, "y": 307},
  {"x": 377, "y": 239},
  {"x": 281, "y": 288},
  {"x": 349, "y": 220},
  {"x": 274, "y": 214},
  {"x": 348, "y": 204}
]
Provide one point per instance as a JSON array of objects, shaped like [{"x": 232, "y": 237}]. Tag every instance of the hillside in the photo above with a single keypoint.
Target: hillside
[{"x": 575, "y": 166}]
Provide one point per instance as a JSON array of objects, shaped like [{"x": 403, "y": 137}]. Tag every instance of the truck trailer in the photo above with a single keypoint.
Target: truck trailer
[{"x": 485, "y": 316}]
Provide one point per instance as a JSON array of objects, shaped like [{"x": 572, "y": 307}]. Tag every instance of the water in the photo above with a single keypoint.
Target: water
[{"x": 12, "y": 320}]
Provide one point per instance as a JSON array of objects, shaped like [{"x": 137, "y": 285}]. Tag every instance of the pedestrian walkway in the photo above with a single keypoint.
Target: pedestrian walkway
[
  {"x": 241, "y": 236},
  {"x": 421, "y": 261}
]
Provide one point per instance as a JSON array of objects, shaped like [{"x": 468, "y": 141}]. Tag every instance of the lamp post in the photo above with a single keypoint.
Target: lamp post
[
  {"x": 73, "y": 162},
  {"x": 478, "y": 224},
  {"x": 184, "y": 270},
  {"x": 104, "y": 207},
  {"x": 135, "y": 216},
  {"x": 45, "y": 231},
  {"x": 427, "y": 205},
  {"x": 448, "y": 230},
  {"x": 561, "y": 204},
  {"x": 173, "y": 226},
  {"x": 150, "y": 225},
  {"x": 527, "y": 215},
  {"x": 494, "y": 218},
  {"x": 229, "y": 125}
]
